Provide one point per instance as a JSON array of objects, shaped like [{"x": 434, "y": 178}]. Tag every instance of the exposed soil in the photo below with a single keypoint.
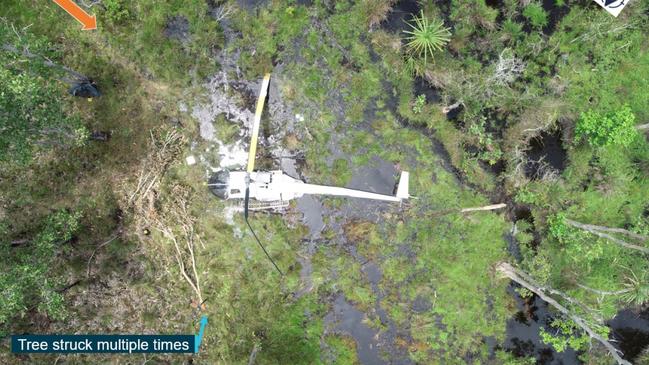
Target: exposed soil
[{"x": 177, "y": 28}]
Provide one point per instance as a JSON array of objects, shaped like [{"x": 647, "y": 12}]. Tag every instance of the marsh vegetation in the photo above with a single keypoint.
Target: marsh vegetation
[{"x": 541, "y": 105}]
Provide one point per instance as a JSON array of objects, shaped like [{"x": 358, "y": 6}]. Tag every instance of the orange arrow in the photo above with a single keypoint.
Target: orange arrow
[{"x": 89, "y": 22}]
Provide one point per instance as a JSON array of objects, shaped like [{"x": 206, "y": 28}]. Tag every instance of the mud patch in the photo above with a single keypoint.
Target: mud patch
[
  {"x": 423, "y": 87},
  {"x": 350, "y": 320},
  {"x": 312, "y": 212},
  {"x": 251, "y": 4},
  {"x": 177, "y": 28}
]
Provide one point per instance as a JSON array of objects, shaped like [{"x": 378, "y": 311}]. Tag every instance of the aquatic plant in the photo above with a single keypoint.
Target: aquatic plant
[{"x": 426, "y": 37}]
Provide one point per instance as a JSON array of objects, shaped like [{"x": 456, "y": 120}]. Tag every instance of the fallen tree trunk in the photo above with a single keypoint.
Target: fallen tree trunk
[
  {"x": 642, "y": 127},
  {"x": 598, "y": 232},
  {"x": 523, "y": 279}
]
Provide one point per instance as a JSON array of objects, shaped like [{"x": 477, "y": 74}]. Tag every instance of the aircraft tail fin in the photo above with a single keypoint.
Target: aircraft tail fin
[{"x": 403, "y": 188}]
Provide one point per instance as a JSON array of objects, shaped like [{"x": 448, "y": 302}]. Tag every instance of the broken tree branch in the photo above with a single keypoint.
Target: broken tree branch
[
  {"x": 519, "y": 277},
  {"x": 603, "y": 292},
  {"x": 612, "y": 230},
  {"x": 590, "y": 229}
]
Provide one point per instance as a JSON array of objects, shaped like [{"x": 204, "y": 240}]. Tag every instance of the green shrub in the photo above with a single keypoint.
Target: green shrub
[
  {"x": 116, "y": 11},
  {"x": 536, "y": 15},
  {"x": 419, "y": 104},
  {"x": 614, "y": 128}
]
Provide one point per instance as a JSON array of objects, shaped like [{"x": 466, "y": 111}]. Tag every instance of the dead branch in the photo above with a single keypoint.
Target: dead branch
[
  {"x": 95, "y": 251},
  {"x": 603, "y": 292},
  {"x": 253, "y": 354},
  {"x": 612, "y": 230},
  {"x": 486, "y": 207},
  {"x": 642, "y": 127},
  {"x": 222, "y": 12},
  {"x": 449, "y": 108},
  {"x": 520, "y": 277},
  {"x": 171, "y": 217},
  {"x": 590, "y": 229},
  {"x": 176, "y": 223}
]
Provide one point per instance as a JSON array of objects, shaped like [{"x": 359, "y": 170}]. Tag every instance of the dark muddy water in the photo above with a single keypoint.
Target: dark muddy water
[
  {"x": 349, "y": 320},
  {"x": 422, "y": 87},
  {"x": 555, "y": 14},
  {"x": 630, "y": 330},
  {"x": 402, "y": 12},
  {"x": 546, "y": 153},
  {"x": 523, "y": 337}
]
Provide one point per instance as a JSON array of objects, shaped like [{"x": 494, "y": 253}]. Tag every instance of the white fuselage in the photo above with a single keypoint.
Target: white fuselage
[{"x": 269, "y": 186}]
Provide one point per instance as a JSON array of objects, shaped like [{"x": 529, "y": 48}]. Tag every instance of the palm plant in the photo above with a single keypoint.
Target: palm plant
[
  {"x": 637, "y": 290},
  {"x": 426, "y": 37}
]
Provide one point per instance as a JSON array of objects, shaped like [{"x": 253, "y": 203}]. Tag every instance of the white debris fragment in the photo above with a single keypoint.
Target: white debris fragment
[
  {"x": 191, "y": 160},
  {"x": 299, "y": 117}
]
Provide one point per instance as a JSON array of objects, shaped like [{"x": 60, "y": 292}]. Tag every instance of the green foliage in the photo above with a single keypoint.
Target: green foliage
[
  {"x": 341, "y": 172},
  {"x": 426, "y": 37},
  {"x": 116, "y": 11},
  {"x": 537, "y": 16},
  {"x": 419, "y": 104},
  {"x": 566, "y": 336},
  {"x": 291, "y": 339},
  {"x": 28, "y": 280},
  {"x": 637, "y": 289},
  {"x": 610, "y": 129},
  {"x": 33, "y": 118},
  {"x": 32, "y": 112}
]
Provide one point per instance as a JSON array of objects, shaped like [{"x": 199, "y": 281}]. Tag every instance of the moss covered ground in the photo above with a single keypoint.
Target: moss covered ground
[{"x": 342, "y": 66}]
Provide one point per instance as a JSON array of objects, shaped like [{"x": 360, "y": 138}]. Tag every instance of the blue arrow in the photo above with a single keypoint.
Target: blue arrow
[{"x": 199, "y": 336}]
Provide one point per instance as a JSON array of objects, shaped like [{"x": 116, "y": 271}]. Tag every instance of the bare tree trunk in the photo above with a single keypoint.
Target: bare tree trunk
[
  {"x": 597, "y": 230},
  {"x": 523, "y": 279},
  {"x": 642, "y": 127}
]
